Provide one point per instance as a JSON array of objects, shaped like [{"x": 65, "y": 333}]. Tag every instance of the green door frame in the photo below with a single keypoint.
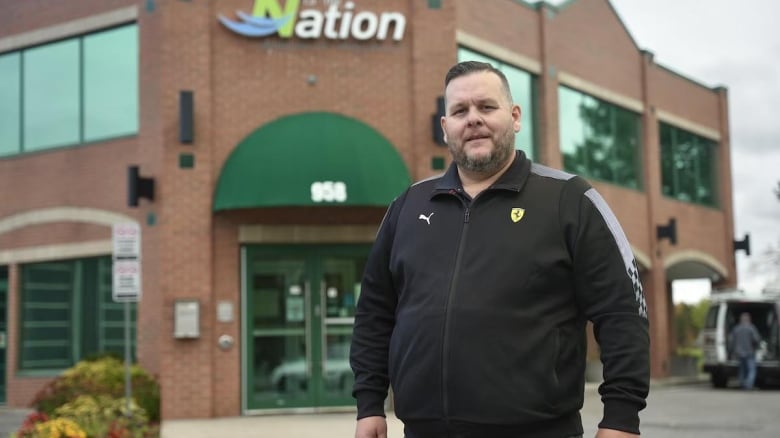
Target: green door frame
[
  {"x": 331, "y": 282},
  {"x": 3, "y": 329}
]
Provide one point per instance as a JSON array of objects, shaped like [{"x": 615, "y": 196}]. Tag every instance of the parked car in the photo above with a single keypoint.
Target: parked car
[
  {"x": 723, "y": 314},
  {"x": 293, "y": 375}
]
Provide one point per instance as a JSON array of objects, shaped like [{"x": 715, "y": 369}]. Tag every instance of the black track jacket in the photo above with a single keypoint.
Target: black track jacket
[{"x": 475, "y": 311}]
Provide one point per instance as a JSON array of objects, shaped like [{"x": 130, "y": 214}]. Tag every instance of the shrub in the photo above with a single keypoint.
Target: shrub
[
  {"x": 103, "y": 416},
  {"x": 27, "y": 430},
  {"x": 106, "y": 377},
  {"x": 58, "y": 428}
]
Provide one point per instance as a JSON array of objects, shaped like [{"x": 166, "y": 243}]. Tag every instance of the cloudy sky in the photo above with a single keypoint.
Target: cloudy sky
[{"x": 735, "y": 44}]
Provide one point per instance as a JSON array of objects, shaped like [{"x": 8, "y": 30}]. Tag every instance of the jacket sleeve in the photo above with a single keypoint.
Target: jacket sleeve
[
  {"x": 374, "y": 322},
  {"x": 609, "y": 292}
]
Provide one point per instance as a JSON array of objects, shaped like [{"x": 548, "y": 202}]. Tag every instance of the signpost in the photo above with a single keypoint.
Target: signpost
[{"x": 127, "y": 283}]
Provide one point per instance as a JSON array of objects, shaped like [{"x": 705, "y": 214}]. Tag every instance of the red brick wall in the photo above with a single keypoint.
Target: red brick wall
[
  {"x": 240, "y": 84},
  {"x": 23, "y": 16},
  {"x": 589, "y": 41},
  {"x": 507, "y": 23},
  {"x": 684, "y": 98},
  {"x": 91, "y": 176}
]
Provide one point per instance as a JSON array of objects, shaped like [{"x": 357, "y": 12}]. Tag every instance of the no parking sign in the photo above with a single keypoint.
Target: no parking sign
[{"x": 127, "y": 262}]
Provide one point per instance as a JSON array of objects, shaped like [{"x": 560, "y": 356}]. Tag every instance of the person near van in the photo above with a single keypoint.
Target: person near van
[
  {"x": 744, "y": 341},
  {"x": 479, "y": 285}
]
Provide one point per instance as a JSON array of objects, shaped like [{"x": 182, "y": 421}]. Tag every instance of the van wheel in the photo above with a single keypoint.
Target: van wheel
[{"x": 719, "y": 380}]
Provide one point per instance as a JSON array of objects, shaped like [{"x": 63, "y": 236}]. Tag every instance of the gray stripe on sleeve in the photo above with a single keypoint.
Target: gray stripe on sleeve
[
  {"x": 549, "y": 172},
  {"x": 614, "y": 226}
]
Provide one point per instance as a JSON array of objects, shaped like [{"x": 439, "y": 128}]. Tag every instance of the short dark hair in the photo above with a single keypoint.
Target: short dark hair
[{"x": 468, "y": 67}]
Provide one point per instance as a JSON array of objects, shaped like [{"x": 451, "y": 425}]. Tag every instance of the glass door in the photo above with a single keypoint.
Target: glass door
[
  {"x": 299, "y": 313},
  {"x": 279, "y": 342},
  {"x": 341, "y": 275}
]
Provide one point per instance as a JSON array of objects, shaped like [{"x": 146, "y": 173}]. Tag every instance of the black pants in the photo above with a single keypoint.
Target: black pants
[
  {"x": 438, "y": 430},
  {"x": 455, "y": 436}
]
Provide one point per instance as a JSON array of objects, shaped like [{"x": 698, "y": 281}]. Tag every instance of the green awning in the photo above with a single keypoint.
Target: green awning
[{"x": 311, "y": 159}]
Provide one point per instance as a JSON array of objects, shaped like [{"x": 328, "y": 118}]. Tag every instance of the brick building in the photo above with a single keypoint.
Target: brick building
[{"x": 274, "y": 138}]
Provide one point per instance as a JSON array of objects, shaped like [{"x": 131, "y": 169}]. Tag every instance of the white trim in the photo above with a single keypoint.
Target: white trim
[
  {"x": 306, "y": 233},
  {"x": 495, "y": 51},
  {"x": 600, "y": 92},
  {"x": 62, "y": 214},
  {"x": 56, "y": 252},
  {"x": 69, "y": 28},
  {"x": 642, "y": 260},
  {"x": 687, "y": 125},
  {"x": 696, "y": 256}
]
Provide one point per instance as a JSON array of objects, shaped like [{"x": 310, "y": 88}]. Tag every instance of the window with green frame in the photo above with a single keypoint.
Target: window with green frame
[
  {"x": 67, "y": 313},
  {"x": 93, "y": 96},
  {"x": 521, "y": 85},
  {"x": 688, "y": 166},
  {"x": 599, "y": 140}
]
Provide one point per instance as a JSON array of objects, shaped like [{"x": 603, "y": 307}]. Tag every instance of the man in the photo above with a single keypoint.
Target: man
[
  {"x": 477, "y": 291},
  {"x": 744, "y": 340}
]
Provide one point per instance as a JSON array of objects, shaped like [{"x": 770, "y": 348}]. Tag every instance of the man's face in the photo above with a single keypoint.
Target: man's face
[{"x": 480, "y": 122}]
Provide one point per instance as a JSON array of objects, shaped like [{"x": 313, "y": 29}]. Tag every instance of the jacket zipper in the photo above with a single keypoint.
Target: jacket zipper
[{"x": 447, "y": 312}]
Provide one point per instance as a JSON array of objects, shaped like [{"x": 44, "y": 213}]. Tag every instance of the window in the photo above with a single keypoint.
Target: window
[
  {"x": 51, "y": 101},
  {"x": 92, "y": 96},
  {"x": 111, "y": 98},
  {"x": 67, "y": 313},
  {"x": 521, "y": 87},
  {"x": 599, "y": 140},
  {"x": 688, "y": 166},
  {"x": 10, "y": 95}
]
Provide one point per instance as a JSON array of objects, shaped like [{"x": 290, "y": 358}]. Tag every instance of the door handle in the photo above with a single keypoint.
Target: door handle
[
  {"x": 323, "y": 327},
  {"x": 307, "y": 325}
]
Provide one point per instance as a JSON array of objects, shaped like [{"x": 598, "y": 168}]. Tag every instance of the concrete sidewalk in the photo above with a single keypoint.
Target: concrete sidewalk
[
  {"x": 342, "y": 425},
  {"x": 292, "y": 426},
  {"x": 330, "y": 425}
]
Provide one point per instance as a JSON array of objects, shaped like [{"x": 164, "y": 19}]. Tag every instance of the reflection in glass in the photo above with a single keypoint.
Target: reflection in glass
[
  {"x": 51, "y": 95},
  {"x": 599, "y": 140},
  {"x": 111, "y": 83},
  {"x": 10, "y": 93},
  {"x": 688, "y": 166},
  {"x": 282, "y": 370},
  {"x": 341, "y": 284}
]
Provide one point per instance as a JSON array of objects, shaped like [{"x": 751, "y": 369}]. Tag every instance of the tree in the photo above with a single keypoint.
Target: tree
[
  {"x": 688, "y": 321},
  {"x": 768, "y": 261}
]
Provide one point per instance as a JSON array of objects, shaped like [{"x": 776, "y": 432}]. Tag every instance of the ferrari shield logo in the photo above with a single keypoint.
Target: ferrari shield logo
[{"x": 517, "y": 214}]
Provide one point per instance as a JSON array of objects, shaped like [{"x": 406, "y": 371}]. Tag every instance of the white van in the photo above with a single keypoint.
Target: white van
[{"x": 722, "y": 316}]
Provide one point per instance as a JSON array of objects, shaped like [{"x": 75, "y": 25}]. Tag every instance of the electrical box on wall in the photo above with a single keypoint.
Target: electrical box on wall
[{"x": 186, "y": 317}]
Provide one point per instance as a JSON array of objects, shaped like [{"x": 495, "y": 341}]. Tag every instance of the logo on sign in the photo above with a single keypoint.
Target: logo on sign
[{"x": 268, "y": 18}]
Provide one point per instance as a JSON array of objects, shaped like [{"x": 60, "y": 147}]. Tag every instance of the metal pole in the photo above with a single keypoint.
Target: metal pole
[{"x": 128, "y": 389}]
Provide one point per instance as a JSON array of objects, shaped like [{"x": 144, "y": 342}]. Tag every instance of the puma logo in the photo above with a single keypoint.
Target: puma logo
[{"x": 426, "y": 218}]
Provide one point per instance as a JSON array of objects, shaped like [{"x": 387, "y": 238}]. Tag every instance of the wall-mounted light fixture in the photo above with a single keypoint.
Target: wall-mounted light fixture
[
  {"x": 743, "y": 244},
  {"x": 138, "y": 187},
  {"x": 436, "y": 129},
  {"x": 668, "y": 231},
  {"x": 186, "y": 116}
]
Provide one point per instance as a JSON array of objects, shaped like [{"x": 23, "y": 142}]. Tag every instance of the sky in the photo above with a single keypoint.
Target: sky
[{"x": 736, "y": 44}]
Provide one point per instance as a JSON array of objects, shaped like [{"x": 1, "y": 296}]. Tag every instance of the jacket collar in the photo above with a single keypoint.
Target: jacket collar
[{"x": 513, "y": 179}]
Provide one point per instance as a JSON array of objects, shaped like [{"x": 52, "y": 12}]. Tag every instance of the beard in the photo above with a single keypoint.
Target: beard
[{"x": 489, "y": 164}]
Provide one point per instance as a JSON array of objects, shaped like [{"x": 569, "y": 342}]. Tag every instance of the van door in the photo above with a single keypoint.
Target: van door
[{"x": 764, "y": 316}]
